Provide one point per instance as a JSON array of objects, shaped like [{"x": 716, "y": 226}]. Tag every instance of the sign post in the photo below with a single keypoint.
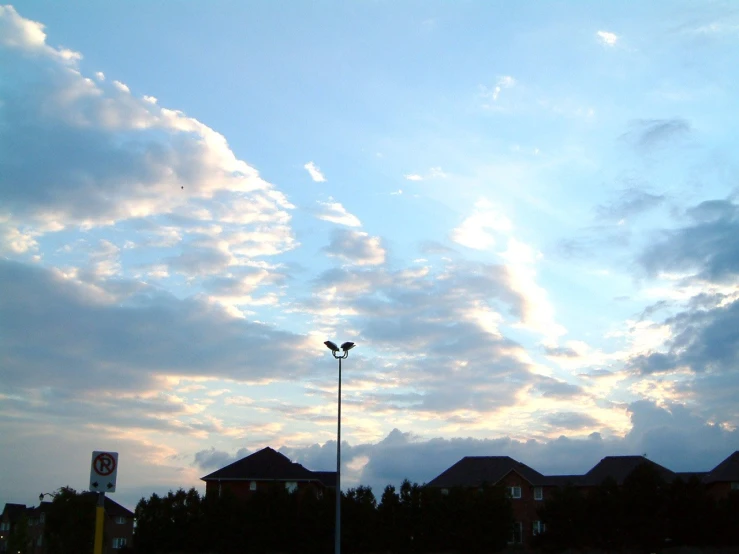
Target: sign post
[{"x": 103, "y": 473}]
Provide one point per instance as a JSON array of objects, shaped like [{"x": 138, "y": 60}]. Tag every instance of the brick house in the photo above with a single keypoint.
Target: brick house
[
  {"x": 528, "y": 489},
  {"x": 724, "y": 478},
  {"x": 261, "y": 471},
  {"x": 119, "y": 523}
]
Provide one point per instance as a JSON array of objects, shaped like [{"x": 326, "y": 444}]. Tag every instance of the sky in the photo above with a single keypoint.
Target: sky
[{"x": 525, "y": 215}]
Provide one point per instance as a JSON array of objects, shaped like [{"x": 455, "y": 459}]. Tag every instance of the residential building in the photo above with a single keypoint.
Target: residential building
[
  {"x": 529, "y": 490},
  {"x": 265, "y": 469},
  {"x": 119, "y": 523}
]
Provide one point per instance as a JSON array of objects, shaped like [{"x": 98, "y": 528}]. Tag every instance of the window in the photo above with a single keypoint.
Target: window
[
  {"x": 119, "y": 543},
  {"x": 538, "y": 493},
  {"x": 5, "y": 526},
  {"x": 539, "y": 528},
  {"x": 40, "y": 540},
  {"x": 735, "y": 486},
  {"x": 445, "y": 491},
  {"x": 253, "y": 486},
  {"x": 120, "y": 520},
  {"x": 516, "y": 533},
  {"x": 291, "y": 486},
  {"x": 514, "y": 492}
]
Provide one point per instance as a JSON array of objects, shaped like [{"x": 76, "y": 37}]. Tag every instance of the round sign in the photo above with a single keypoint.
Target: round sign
[{"x": 104, "y": 464}]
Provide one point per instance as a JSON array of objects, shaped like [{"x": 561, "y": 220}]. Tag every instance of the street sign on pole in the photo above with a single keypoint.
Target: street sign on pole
[{"x": 103, "y": 471}]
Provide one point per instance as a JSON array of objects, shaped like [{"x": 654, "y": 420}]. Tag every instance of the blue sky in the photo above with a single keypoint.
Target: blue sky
[{"x": 524, "y": 215}]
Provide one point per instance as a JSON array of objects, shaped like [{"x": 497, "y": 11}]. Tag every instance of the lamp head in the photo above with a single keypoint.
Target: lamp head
[
  {"x": 331, "y": 346},
  {"x": 347, "y": 346}
]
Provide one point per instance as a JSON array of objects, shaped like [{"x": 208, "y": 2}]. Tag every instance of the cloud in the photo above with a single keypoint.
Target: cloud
[
  {"x": 506, "y": 81},
  {"x": 356, "y": 247},
  {"x": 483, "y": 228},
  {"x": 413, "y": 177},
  {"x": 108, "y": 155},
  {"x": 336, "y": 213},
  {"x": 78, "y": 335},
  {"x": 435, "y": 172},
  {"x": 607, "y": 38},
  {"x": 632, "y": 201},
  {"x": 671, "y": 435},
  {"x": 649, "y": 134},
  {"x": 315, "y": 172},
  {"x": 707, "y": 248}
]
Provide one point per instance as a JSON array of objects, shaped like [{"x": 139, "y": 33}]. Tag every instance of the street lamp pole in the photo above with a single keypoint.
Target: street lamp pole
[{"x": 345, "y": 354}]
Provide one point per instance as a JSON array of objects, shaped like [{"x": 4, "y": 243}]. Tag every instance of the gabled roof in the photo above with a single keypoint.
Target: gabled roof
[
  {"x": 563, "y": 480},
  {"x": 328, "y": 478},
  {"x": 473, "y": 471},
  {"x": 688, "y": 475},
  {"x": 619, "y": 467},
  {"x": 728, "y": 470},
  {"x": 266, "y": 464},
  {"x": 112, "y": 508},
  {"x": 13, "y": 512}
]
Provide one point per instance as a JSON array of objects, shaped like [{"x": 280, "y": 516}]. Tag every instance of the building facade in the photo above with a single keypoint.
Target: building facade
[
  {"x": 529, "y": 490},
  {"x": 264, "y": 470},
  {"x": 28, "y": 524}
]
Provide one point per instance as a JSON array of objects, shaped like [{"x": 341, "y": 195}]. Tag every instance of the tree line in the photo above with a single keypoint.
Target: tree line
[
  {"x": 645, "y": 513},
  {"x": 410, "y": 519}
]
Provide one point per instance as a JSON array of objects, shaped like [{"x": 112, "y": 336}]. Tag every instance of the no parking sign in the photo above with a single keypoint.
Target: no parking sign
[{"x": 103, "y": 471}]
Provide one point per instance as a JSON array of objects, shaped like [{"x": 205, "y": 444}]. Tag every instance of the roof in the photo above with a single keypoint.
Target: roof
[
  {"x": 112, "y": 508},
  {"x": 473, "y": 471},
  {"x": 266, "y": 464},
  {"x": 13, "y": 512},
  {"x": 562, "y": 480},
  {"x": 328, "y": 478},
  {"x": 688, "y": 475},
  {"x": 619, "y": 467},
  {"x": 728, "y": 470}
]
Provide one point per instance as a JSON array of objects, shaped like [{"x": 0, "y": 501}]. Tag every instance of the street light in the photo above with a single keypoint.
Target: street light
[{"x": 335, "y": 351}]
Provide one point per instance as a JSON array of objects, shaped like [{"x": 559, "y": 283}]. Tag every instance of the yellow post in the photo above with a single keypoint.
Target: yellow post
[{"x": 99, "y": 521}]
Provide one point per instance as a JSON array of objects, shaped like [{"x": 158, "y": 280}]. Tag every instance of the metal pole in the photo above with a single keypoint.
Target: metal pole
[
  {"x": 337, "y": 544},
  {"x": 99, "y": 521}
]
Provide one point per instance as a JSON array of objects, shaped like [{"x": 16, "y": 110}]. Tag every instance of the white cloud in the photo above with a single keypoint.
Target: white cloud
[
  {"x": 100, "y": 76},
  {"x": 356, "y": 247},
  {"x": 336, "y": 213},
  {"x": 433, "y": 173},
  {"x": 506, "y": 81},
  {"x": 483, "y": 227},
  {"x": 607, "y": 38},
  {"x": 126, "y": 158},
  {"x": 315, "y": 172}
]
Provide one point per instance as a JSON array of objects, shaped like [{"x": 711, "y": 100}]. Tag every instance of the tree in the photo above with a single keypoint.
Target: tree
[{"x": 70, "y": 522}]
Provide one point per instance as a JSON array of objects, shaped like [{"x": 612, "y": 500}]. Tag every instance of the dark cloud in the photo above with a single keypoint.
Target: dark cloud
[
  {"x": 708, "y": 247},
  {"x": 355, "y": 247},
  {"x": 449, "y": 359},
  {"x": 648, "y": 134},
  {"x": 631, "y": 202},
  {"x": 560, "y": 352},
  {"x": 550, "y": 388},
  {"x": 60, "y": 332},
  {"x": 570, "y": 420},
  {"x": 213, "y": 459},
  {"x": 672, "y": 436},
  {"x": 702, "y": 340}
]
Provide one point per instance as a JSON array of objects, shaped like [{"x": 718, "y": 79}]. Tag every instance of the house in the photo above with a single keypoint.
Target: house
[
  {"x": 528, "y": 489},
  {"x": 119, "y": 523},
  {"x": 265, "y": 469},
  {"x": 723, "y": 478},
  {"x": 9, "y": 522}
]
